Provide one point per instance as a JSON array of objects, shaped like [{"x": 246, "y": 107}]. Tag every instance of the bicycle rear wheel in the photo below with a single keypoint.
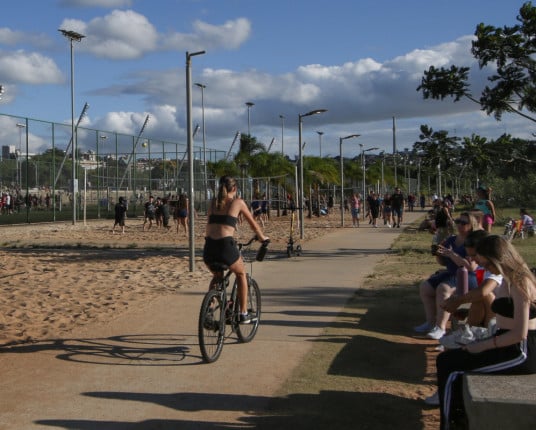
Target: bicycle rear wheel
[
  {"x": 211, "y": 327},
  {"x": 246, "y": 332}
]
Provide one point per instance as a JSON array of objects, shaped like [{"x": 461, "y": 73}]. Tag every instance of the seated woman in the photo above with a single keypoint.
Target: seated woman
[
  {"x": 481, "y": 298},
  {"x": 441, "y": 285},
  {"x": 513, "y": 347}
]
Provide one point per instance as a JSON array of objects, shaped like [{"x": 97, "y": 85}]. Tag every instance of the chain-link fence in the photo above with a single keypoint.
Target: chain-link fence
[{"x": 37, "y": 170}]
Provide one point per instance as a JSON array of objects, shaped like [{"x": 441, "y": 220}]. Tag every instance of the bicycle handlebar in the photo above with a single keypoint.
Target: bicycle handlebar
[{"x": 262, "y": 250}]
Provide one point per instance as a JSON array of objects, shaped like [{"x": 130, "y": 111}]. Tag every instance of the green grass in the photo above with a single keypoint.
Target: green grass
[{"x": 366, "y": 370}]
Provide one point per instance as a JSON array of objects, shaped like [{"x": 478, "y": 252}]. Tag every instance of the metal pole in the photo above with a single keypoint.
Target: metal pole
[
  {"x": 202, "y": 86},
  {"x": 342, "y": 181},
  {"x": 19, "y": 169},
  {"x": 191, "y": 194},
  {"x": 342, "y": 173},
  {"x": 73, "y": 36},
  {"x": 73, "y": 140},
  {"x": 320, "y": 133},
  {"x": 27, "y": 186},
  {"x": 282, "y": 134},
  {"x": 249, "y": 104},
  {"x": 299, "y": 203}
]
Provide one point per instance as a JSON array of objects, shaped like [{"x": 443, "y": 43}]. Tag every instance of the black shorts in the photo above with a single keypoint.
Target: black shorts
[{"x": 223, "y": 250}]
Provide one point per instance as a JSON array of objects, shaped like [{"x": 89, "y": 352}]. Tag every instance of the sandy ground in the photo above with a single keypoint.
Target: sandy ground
[{"x": 55, "y": 277}]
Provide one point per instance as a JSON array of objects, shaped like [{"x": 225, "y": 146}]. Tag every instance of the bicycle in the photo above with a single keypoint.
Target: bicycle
[{"x": 219, "y": 311}]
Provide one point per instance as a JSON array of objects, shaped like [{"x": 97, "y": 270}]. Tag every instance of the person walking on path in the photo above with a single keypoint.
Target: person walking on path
[{"x": 397, "y": 206}]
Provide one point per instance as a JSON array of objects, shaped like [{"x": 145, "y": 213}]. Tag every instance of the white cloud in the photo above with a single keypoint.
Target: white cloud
[
  {"x": 358, "y": 95},
  {"x": 126, "y": 35},
  {"x": 13, "y": 38},
  {"x": 96, "y": 3},
  {"x": 230, "y": 35},
  {"x": 29, "y": 68},
  {"x": 119, "y": 35}
]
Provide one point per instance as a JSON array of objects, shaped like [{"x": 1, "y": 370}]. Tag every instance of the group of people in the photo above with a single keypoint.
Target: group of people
[
  {"x": 498, "y": 334},
  {"x": 156, "y": 211},
  {"x": 389, "y": 208}
]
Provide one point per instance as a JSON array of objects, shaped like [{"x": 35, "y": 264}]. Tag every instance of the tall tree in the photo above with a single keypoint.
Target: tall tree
[{"x": 512, "y": 83}]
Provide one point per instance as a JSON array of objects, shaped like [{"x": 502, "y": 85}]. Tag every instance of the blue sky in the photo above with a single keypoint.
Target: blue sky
[{"x": 360, "y": 59}]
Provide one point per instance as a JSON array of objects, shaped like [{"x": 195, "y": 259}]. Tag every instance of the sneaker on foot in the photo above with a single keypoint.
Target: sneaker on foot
[
  {"x": 246, "y": 318},
  {"x": 436, "y": 333},
  {"x": 423, "y": 328},
  {"x": 432, "y": 400}
]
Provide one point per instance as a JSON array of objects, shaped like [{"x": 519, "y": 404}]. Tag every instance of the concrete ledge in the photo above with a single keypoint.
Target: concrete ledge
[{"x": 498, "y": 402}]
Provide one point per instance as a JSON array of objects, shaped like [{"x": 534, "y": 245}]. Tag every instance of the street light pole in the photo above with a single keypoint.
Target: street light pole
[
  {"x": 249, "y": 105},
  {"x": 342, "y": 173},
  {"x": 320, "y": 133},
  {"x": 191, "y": 194},
  {"x": 282, "y": 134},
  {"x": 19, "y": 172},
  {"x": 364, "y": 198},
  {"x": 300, "y": 155},
  {"x": 102, "y": 138},
  {"x": 73, "y": 37},
  {"x": 204, "y": 139}
]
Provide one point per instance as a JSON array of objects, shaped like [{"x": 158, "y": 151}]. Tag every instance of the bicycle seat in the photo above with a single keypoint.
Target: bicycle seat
[{"x": 218, "y": 267}]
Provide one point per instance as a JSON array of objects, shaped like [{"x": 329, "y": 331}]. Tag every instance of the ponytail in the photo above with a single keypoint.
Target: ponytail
[{"x": 227, "y": 183}]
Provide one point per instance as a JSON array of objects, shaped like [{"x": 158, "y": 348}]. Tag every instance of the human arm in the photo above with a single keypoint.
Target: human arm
[
  {"x": 491, "y": 207},
  {"x": 454, "y": 301},
  {"x": 517, "y": 330},
  {"x": 447, "y": 252}
]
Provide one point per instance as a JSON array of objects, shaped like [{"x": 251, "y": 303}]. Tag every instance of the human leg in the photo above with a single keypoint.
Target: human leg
[
  {"x": 239, "y": 269},
  {"x": 427, "y": 294},
  {"x": 443, "y": 292},
  {"x": 452, "y": 363}
]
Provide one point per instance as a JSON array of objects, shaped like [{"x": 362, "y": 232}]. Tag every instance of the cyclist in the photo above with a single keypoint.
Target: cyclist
[{"x": 220, "y": 245}]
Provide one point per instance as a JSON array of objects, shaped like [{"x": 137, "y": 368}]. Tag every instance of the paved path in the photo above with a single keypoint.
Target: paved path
[{"x": 144, "y": 371}]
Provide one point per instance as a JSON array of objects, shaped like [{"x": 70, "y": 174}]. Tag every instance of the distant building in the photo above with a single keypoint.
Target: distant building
[{"x": 9, "y": 152}]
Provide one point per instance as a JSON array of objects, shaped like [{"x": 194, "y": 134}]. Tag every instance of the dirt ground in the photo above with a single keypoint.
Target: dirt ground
[{"x": 57, "y": 277}]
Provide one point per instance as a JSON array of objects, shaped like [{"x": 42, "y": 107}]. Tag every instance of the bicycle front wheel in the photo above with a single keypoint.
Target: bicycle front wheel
[
  {"x": 246, "y": 332},
  {"x": 211, "y": 328}
]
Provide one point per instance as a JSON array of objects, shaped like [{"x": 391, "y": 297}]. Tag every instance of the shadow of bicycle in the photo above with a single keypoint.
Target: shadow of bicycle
[{"x": 123, "y": 350}]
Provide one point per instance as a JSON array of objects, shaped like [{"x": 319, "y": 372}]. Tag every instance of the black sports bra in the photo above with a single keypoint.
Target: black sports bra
[
  {"x": 504, "y": 306},
  {"x": 229, "y": 220}
]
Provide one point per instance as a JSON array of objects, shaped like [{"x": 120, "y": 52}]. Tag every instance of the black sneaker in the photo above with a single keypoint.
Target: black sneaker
[{"x": 246, "y": 318}]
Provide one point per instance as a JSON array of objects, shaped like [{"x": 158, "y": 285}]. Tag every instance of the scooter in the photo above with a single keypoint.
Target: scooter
[{"x": 290, "y": 244}]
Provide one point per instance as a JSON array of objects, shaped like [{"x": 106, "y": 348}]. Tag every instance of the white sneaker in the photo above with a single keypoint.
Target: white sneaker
[
  {"x": 423, "y": 328},
  {"x": 432, "y": 400},
  {"x": 436, "y": 333},
  {"x": 463, "y": 336}
]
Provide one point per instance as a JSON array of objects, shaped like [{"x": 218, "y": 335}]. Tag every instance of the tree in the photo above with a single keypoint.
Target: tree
[{"x": 512, "y": 83}]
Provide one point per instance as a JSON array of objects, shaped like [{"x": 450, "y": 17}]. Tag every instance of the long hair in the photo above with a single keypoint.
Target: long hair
[
  {"x": 473, "y": 220},
  {"x": 502, "y": 254},
  {"x": 227, "y": 183}
]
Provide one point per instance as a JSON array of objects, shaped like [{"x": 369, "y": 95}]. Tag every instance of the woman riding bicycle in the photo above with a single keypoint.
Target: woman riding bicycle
[{"x": 220, "y": 245}]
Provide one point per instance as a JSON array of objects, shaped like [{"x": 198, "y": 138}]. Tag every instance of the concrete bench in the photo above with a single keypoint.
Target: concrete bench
[{"x": 498, "y": 402}]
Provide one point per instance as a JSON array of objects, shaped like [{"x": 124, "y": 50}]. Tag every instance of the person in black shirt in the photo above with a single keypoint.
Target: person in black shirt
[
  {"x": 120, "y": 215},
  {"x": 397, "y": 204}
]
